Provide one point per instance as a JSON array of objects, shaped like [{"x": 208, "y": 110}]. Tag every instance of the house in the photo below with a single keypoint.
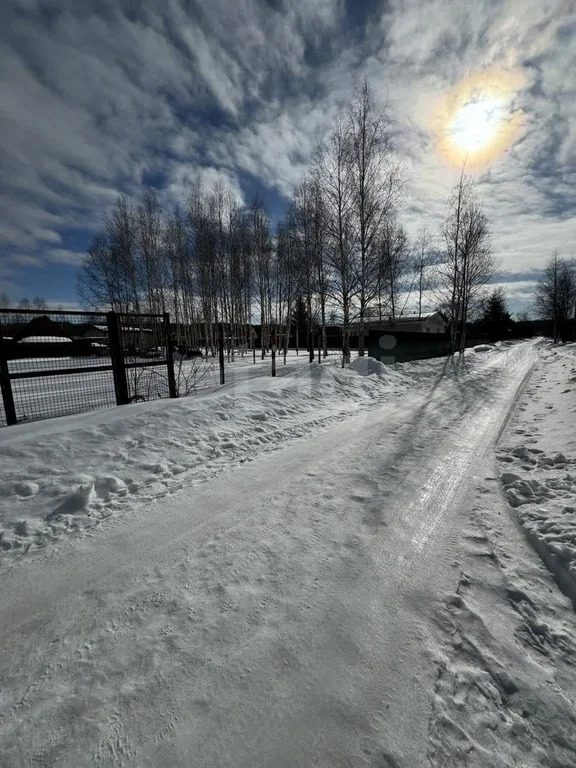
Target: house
[
  {"x": 95, "y": 333},
  {"x": 133, "y": 339},
  {"x": 41, "y": 337},
  {"x": 41, "y": 329},
  {"x": 431, "y": 322},
  {"x": 136, "y": 340}
]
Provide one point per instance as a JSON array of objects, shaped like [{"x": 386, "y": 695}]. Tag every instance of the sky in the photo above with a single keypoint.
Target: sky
[{"x": 99, "y": 97}]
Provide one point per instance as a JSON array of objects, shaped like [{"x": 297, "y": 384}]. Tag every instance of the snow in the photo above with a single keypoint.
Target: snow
[
  {"x": 67, "y": 488},
  {"x": 538, "y": 464},
  {"x": 45, "y": 340},
  {"x": 320, "y": 569},
  {"x": 41, "y": 397},
  {"x": 505, "y": 689},
  {"x": 367, "y": 366}
]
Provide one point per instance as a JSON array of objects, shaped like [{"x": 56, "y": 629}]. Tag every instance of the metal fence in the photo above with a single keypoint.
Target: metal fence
[{"x": 58, "y": 363}]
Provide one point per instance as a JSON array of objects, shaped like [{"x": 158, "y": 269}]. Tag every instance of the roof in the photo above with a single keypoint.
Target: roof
[
  {"x": 124, "y": 330},
  {"x": 410, "y": 317},
  {"x": 416, "y": 318},
  {"x": 45, "y": 340}
]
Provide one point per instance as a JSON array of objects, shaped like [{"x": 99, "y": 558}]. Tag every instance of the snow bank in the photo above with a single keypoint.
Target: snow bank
[
  {"x": 546, "y": 507},
  {"x": 538, "y": 472},
  {"x": 68, "y": 475},
  {"x": 367, "y": 366}
]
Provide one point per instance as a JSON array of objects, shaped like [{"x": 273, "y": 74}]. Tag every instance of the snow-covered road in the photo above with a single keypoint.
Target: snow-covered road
[{"x": 280, "y": 615}]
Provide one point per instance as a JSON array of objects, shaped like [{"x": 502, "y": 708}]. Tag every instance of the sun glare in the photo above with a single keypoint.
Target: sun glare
[
  {"x": 477, "y": 118},
  {"x": 476, "y": 124}
]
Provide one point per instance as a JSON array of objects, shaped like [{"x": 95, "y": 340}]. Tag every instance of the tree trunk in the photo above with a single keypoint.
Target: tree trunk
[{"x": 346, "y": 335}]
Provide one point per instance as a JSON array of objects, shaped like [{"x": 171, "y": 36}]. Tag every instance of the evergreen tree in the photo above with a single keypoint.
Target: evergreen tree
[{"x": 496, "y": 320}]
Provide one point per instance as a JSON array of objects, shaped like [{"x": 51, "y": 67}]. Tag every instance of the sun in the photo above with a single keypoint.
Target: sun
[
  {"x": 478, "y": 117},
  {"x": 476, "y": 123}
]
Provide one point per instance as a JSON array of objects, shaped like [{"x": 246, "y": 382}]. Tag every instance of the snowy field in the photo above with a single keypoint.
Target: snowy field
[
  {"x": 326, "y": 569},
  {"x": 41, "y": 397}
]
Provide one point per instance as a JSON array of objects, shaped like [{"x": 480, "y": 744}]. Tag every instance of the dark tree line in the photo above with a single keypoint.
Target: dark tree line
[{"x": 38, "y": 302}]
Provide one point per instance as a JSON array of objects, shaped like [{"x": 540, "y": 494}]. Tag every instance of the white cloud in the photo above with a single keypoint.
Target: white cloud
[
  {"x": 63, "y": 256},
  {"x": 94, "y": 98},
  {"x": 25, "y": 260}
]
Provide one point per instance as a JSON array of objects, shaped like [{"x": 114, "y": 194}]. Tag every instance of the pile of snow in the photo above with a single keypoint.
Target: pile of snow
[
  {"x": 367, "y": 366},
  {"x": 483, "y": 348}
]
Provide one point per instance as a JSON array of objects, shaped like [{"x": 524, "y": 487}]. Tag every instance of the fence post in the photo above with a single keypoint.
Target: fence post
[
  {"x": 117, "y": 357},
  {"x": 221, "y": 352},
  {"x": 170, "y": 357},
  {"x": 7, "y": 395}
]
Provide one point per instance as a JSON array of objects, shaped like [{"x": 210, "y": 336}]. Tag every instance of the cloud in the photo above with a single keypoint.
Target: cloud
[
  {"x": 97, "y": 99},
  {"x": 63, "y": 256},
  {"x": 25, "y": 260}
]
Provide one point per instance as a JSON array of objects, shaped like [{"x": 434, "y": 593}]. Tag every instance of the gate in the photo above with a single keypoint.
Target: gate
[{"x": 59, "y": 363}]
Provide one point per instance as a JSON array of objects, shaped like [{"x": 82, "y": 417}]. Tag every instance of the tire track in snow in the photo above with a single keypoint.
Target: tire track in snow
[{"x": 457, "y": 459}]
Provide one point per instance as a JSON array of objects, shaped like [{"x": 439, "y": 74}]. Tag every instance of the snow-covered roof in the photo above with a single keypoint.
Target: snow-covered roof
[
  {"x": 415, "y": 317},
  {"x": 124, "y": 330},
  {"x": 45, "y": 340}
]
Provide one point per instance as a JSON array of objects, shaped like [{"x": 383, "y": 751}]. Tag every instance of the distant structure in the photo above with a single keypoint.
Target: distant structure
[{"x": 431, "y": 322}]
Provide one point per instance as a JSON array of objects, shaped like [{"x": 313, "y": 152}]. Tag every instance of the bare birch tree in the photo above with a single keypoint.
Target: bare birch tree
[
  {"x": 261, "y": 250},
  {"x": 109, "y": 275},
  {"x": 150, "y": 242},
  {"x": 375, "y": 190},
  {"x": 467, "y": 263},
  {"x": 423, "y": 260},
  {"x": 394, "y": 264},
  {"x": 333, "y": 170},
  {"x": 555, "y": 295}
]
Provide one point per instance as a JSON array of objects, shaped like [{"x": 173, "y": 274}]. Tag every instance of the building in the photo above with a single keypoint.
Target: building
[
  {"x": 408, "y": 337},
  {"x": 431, "y": 322},
  {"x": 133, "y": 339}
]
